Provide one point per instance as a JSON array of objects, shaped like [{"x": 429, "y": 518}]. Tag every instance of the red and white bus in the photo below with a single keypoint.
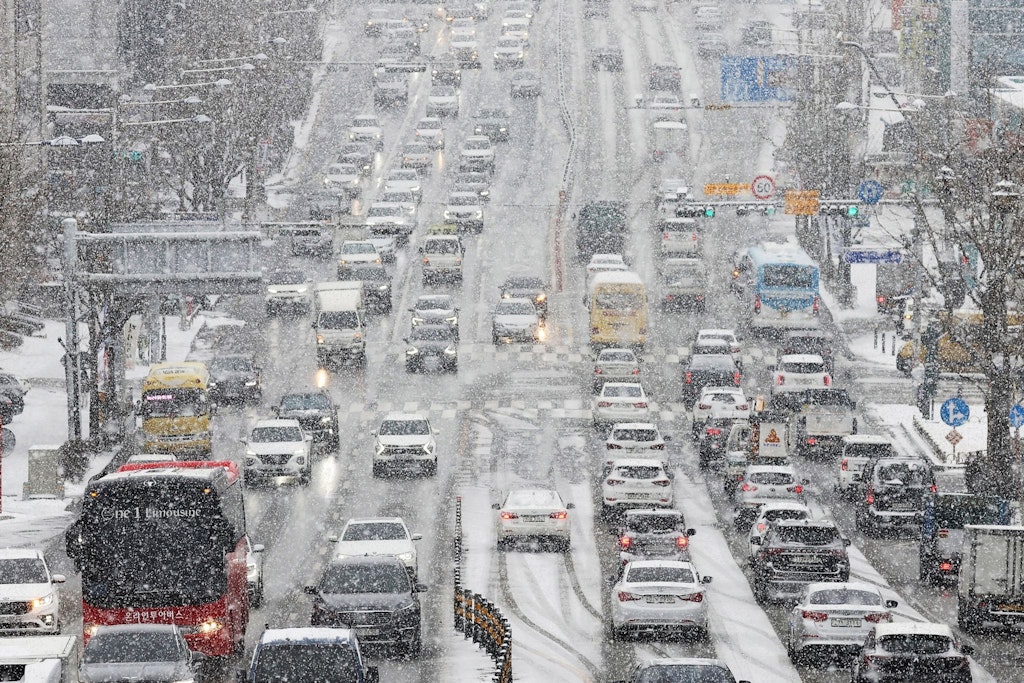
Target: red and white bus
[{"x": 165, "y": 543}]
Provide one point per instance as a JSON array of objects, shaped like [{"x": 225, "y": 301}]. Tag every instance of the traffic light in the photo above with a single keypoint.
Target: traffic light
[
  {"x": 709, "y": 212},
  {"x": 839, "y": 209},
  {"x": 695, "y": 211},
  {"x": 762, "y": 209}
]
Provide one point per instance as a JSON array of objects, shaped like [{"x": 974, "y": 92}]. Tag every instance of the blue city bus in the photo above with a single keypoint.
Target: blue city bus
[{"x": 777, "y": 285}]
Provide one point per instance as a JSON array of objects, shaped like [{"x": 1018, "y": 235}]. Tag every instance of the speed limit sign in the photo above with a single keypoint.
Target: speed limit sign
[{"x": 763, "y": 187}]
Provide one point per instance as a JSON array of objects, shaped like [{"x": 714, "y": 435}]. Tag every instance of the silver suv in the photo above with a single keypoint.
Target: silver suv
[
  {"x": 403, "y": 442},
  {"x": 29, "y": 599}
]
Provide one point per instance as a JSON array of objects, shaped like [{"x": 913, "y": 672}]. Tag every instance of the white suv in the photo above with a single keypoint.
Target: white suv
[
  {"x": 404, "y": 441},
  {"x": 277, "y": 448},
  {"x": 29, "y": 599},
  {"x": 798, "y": 372}
]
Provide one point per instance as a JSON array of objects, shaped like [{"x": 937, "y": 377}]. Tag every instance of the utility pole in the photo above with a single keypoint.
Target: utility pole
[{"x": 71, "y": 329}]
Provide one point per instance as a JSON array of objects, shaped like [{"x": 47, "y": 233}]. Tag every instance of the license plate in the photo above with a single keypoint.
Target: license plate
[
  {"x": 661, "y": 599},
  {"x": 845, "y": 623},
  {"x": 902, "y": 507},
  {"x": 636, "y": 496},
  {"x": 783, "y": 314},
  {"x": 533, "y": 518},
  {"x": 367, "y": 631},
  {"x": 803, "y": 559}
]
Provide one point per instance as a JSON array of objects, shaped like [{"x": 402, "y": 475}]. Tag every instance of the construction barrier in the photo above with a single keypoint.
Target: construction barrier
[{"x": 476, "y": 617}]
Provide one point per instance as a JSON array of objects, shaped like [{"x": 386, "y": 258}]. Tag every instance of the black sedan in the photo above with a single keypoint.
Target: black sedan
[
  {"x": 360, "y": 154},
  {"x": 432, "y": 342},
  {"x": 527, "y": 287},
  {"x": 709, "y": 370},
  {"x": 235, "y": 378}
]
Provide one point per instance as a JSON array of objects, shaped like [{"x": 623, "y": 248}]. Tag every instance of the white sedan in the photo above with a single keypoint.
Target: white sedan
[
  {"x": 367, "y": 128},
  {"x": 378, "y": 536},
  {"x": 771, "y": 512},
  {"x": 430, "y": 130},
  {"x": 631, "y": 438},
  {"x": 830, "y": 616},
  {"x": 655, "y": 596},
  {"x": 616, "y": 365},
  {"x": 620, "y": 402},
  {"x": 725, "y": 336},
  {"x": 358, "y": 251},
  {"x": 798, "y": 372},
  {"x": 344, "y": 178},
  {"x": 719, "y": 402},
  {"x": 404, "y": 179},
  {"x": 765, "y": 484},
  {"x": 533, "y": 513},
  {"x": 635, "y": 482},
  {"x": 515, "y": 320}
]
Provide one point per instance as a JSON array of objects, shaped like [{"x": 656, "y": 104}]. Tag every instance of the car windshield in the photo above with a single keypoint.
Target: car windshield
[
  {"x": 305, "y": 402},
  {"x": 616, "y": 357},
  {"x": 711, "y": 347},
  {"x": 771, "y": 478},
  {"x": 463, "y": 200},
  {"x": 339, "y": 320},
  {"x": 905, "y": 474},
  {"x": 403, "y": 176},
  {"x": 623, "y": 391},
  {"x": 434, "y": 303},
  {"x": 380, "y": 210},
  {"x": 417, "y": 148},
  {"x": 710, "y": 361},
  {"x": 775, "y": 515},
  {"x": 845, "y": 596},
  {"x": 22, "y": 570},
  {"x": 685, "y": 673},
  {"x": 634, "y": 435},
  {"x": 365, "y": 578},
  {"x": 397, "y": 198},
  {"x": 431, "y": 333},
  {"x": 659, "y": 575},
  {"x": 868, "y": 450},
  {"x": 915, "y": 644},
  {"x": 442, "y": 91},
  {"x": 441, "y": 247},
  {"x": 428, "y": 124},
  {"x": 722, "y": 397},
  {"x": 638, "y": 471},
  {"x": 365, "y": 122},
  {"x": 524, "y": 283},
  {"x": 375, "y": 531},
  {"x": 230, "y": 364},
  {"x": 808, "y": 535},
  {"x": 285, "y": 277},
  {"x": 306, "y": 663},
  {"x": 482, "y": 144},
  {"x": 404, "y": 428},
  {"x": 131, "y": 647},
  {"x": 358, "y": 248},
  {"x": 646, "y": 524},
  {"x": 275, "y": 434},
  {"x": 374, "y": 274},
  {"x": 505, "y": 42},
  {"x": 515, "y": 308}
]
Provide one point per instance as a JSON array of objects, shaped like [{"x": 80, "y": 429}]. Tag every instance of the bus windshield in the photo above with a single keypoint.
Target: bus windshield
[
  {"x": 618, "y": 301},
  {"x": 174, "y": 403},
  {"x": 789, "y": 276}
]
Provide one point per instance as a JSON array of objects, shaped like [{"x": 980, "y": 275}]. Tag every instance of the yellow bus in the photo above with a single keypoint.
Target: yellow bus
[
  {"x": 176, "y": 410},
  {"x": 618, "y": 310}
]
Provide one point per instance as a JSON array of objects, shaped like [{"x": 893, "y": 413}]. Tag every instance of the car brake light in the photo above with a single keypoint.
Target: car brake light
[
  {"x": 743, "y": 406},
  {"x": 943, "y": 533},
  {"x": 946, "y": 566},
  {"x": 780, "y": 379},
  {"x": 811, "y": 441},
  {"x": 713, "y": 431},
  {"x": 734, "y": 349},
  {"x": 880, "y": 299},
  {"x": 747, "y": 486},
  {"x": 827, "y": 380},
  {"x": 509, "y": 515},
  {"x": 844, "y": 465},
  {"x": 934, "y": 488},
  {"x": 640, "y": 404},
  {"x": 814, "y": 616},
  {"x": 682, "y": 541},
  {"x": 703, "y": 406},
  {"x": 627, "y": 597},
  {"x": 761, "y": 526},
  {"x": 661, "y": 482},
  {"x": 688, "y": 378},
  {"x": 757, "y": 304},
  {"x": 665, "y": 236},
  {"x": 870, "y": 498},
  {"x": 815, "y": 306},
  {"x": 625, "y": 542},
  {"x": 692, "y": 597},
  {"x": 796, "y": 489},
  {"x": 658, "y": 447},
  {"x": 426, "y": 261},
  {"x": 877, "y": 617},
  {"x": 614, "y": 446},
  {"x": 736, "y": 377},
  {"x": 604, "y": 404},
  {"x": 614, "y": 482},
  {"x": 636, "y": 371},
  {"x": 561, "y": 514},
  {"x": 693, "y": 238},
  {"x": 597, "y": 371}
]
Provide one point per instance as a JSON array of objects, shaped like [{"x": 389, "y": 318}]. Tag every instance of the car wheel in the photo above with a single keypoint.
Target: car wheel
[
  {"x": 378, "y": 470},
  {"x": 453, "y": 368},
  {"x": 502, "y": 544},
  {"x": 566, "y": 546},
  {"x": 409, "y": 367},
  {"x": 791, "y": 650}
]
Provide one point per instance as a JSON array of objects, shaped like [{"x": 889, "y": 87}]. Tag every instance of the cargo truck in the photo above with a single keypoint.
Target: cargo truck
[
  {"x": 339, "y": 322},
  {"x": 942, "y": 530},
  {"x": 991, "y": 576}
]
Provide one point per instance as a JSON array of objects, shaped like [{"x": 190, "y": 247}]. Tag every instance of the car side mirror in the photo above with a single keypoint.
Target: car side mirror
[
  {"x": 310, "y": 590},
  {"x": 417, "y": 537},
  {"x": 892, "y": 604},
  {"x": 258, "y": 548},
  {"x": 412, "y": 310},
  {"x": 243, "y": 441},
  {"x": 421, "y": 587},
  {"x": 805, "y": 482},
  {"x": 495, "y": 506},
  {"x": 691, "y": 532},
  {"x": 213, "y": 409},
  {"x": 666, "y": 437},
  {"x": 58, "y": 578},
  {"x": 333, "y": 538},
  {"x": 846, "y": 541},
  {"x": 138, "y": 408},
  {"x": 372, "y": 675},
  {"x": 705, "y": 579}
]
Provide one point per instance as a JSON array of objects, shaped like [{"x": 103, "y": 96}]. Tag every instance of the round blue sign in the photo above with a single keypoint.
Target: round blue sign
[
  {"x": 870, "y": 191},
  {"x": 954, "y": 411},
  {"x": 1017, "y": 416}
]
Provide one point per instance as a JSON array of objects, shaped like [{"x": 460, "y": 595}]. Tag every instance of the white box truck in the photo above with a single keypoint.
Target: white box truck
[
  {"x": 991, "y": 586},
  {"x": 339, "y": 322},
  {"x": 40, "y": 659}
]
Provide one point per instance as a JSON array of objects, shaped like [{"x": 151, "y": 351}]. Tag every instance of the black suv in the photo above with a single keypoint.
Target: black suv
[
  {"x": 374, "y": 596},
  {"x": 376, "y": 284},
  {"x": 712, "y": 436},
  {"x": 892, "y": 491},
  {"x": 709, "y": 370},
  {"x": 796, "y": 552},
  {"x": 494, "y": 123},
  {"x": 316, "y": 412},
  {"x": 654, "y": 535},
  {"x": 235, "y": 378}
]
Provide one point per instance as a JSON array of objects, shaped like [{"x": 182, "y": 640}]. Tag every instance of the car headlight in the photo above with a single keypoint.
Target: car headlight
[
  {"x": 541, "y": 296},
  {"x": 251, "y": 383},
  {"x": 325, "y": 420},
  {"x": 39, "y": 603},
  {"x": 379, "y": 448},
  {"x": 451, "y": 350},
  {"x": 405, "y": 557},
  {"x": 447, "y": 214},
  {"x": 299, "y": 451},
  {"x": 382, "y": 288},
  {"x": 478, "y": 214},
  {"x": 250, "y": 453},
  {"x": 485, "y": 193},
  {"x": 417, "y": 320},
  {"x": 319, "y": 339},
  {"x": 454, "y": 320},
  {"x": 503, "y": 129},
  {"x": 213, "y": 385},
  {"x": 428, "y": 448},
  {"x": 301, "y": 290},
  {"x": 411, "y": 351},
  {"x": 351, "y": 137}
]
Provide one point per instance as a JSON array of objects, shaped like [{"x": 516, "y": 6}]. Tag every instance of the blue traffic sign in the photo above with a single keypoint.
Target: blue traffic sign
[
  {"x": 870, "y": 191},
  {"x": 873, "y": 256},
  {"x": 759, "y": 79},
  {"x": 1017, "y": 416},
  {"x": 954, "y": 411}
]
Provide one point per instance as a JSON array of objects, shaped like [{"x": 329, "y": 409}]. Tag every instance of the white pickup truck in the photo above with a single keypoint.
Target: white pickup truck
[{"x": 823, "y": 418}]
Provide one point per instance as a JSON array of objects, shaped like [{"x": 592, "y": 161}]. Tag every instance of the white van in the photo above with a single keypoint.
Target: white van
[
  {"x": 40, "y": 659},
  {"x": 442, "y": 257},
  {"x": 339, "y": 322}
]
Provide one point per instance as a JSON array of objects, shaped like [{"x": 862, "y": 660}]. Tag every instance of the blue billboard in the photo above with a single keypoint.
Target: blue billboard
[{"x": 759, "y": 79}]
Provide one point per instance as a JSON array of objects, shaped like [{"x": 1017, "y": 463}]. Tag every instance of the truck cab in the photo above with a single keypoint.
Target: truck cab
[
  {"x": 40, "y": 659},
  {"x": 340, "y": 322}
]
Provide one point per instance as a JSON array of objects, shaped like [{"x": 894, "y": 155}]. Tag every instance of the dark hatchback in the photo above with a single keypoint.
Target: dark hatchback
[
  {"x": 494, "y": 123},
  {"x": 432, "y": 342},
  {"x": 374, "y": 596},
  {"x": 527, "y": 287},
  {"x": 235, "y": 379},
  {"x": 316, "y": 413},
  {"x": 376, "y": 285},
  {"x": 709, "y": 370}
]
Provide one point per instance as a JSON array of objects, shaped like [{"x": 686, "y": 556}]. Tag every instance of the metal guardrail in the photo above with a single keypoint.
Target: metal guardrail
[{"x": 476, "y": 617}]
